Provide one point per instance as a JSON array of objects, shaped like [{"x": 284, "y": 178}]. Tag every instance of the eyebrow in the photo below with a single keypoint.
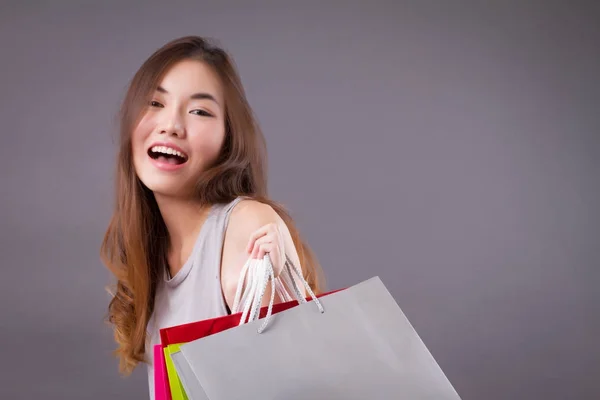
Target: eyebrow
[{"x": 195, "y": 96}]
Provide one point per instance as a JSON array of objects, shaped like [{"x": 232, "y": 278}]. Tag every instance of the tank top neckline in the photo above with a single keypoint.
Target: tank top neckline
[{"x": 187, "y": 266}]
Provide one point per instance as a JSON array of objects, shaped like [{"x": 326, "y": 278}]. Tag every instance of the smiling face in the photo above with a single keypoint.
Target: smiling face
[{"x": 181, "y": 131}]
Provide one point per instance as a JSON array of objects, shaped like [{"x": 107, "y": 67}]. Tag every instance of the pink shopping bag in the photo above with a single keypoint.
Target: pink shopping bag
[{"x": 161, "y": 380}]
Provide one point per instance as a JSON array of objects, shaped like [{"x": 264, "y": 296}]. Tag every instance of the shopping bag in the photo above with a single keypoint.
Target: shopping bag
[
  {"x": 352, "y": 344},
  {"x": 175, "y": 386},
  {"x": 174, "y": 336},
  {"x": 185, "y": 333},
  {"x": 192, "y": 387},
  {"x": 161, "y": 383}
]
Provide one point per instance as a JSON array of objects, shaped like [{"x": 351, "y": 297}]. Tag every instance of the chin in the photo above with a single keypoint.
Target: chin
[
  {"x": 166, "y": 187},
  {"x": 174, "y": 182}
]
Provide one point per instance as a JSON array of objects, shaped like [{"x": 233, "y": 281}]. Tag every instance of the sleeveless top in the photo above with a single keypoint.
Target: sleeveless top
[{"x": 194, "y": 293}]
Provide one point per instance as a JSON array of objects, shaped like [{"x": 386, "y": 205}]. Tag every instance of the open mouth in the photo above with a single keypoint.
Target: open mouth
[{"x": 167, "y": 155}]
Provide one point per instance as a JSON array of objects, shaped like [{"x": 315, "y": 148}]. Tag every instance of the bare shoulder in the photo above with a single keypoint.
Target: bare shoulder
[{"x": 252, "y": 214}]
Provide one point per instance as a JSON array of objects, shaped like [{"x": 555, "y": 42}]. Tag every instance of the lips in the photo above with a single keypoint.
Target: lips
[{"x": 167, "y": 156}]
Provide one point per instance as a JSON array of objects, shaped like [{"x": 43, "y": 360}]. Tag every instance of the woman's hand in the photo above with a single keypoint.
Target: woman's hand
[
  {"x": 268, "y": 240},
  {"x": 254, "y": 230}
]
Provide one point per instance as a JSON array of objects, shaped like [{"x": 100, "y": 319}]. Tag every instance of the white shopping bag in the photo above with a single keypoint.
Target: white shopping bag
[{"x": 352, "y": 344}]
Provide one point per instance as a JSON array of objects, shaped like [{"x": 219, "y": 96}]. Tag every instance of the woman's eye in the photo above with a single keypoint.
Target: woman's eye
[
  {"x": 154, "y": 103},
  {"x": 201, "y": 113}
]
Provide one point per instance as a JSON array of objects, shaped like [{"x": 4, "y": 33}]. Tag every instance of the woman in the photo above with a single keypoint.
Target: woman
[{"x": 191, "y": 199}]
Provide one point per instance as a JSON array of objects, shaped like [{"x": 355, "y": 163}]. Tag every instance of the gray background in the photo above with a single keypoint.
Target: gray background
[{"x": 450, "y": 147}]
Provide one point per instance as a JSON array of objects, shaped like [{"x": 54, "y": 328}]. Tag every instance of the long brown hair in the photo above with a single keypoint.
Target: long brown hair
[{"x": 135, "y": 244}]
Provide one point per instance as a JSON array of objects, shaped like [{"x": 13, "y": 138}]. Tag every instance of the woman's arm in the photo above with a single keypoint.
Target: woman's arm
[{"x": 247, "y": 218}]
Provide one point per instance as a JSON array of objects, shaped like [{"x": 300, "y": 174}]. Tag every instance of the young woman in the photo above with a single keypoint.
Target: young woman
[{"x": 191, "y": 199}]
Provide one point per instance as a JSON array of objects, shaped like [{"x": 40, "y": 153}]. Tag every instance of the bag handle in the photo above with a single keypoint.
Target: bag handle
[{"x": 255, "y": 276}]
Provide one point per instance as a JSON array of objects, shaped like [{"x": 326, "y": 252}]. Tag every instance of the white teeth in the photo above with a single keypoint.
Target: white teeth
[{"x": 167, "y": 150}]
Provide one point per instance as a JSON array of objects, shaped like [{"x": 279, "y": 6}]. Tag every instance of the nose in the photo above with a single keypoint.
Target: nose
[{"x": 172, "y": 125}]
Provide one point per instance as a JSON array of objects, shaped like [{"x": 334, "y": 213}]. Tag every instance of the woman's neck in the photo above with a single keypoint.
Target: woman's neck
[{"x": 184, "y": 219}]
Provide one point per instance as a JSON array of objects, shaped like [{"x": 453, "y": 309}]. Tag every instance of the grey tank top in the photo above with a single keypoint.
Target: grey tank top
[{"x": 194, "y": 293}]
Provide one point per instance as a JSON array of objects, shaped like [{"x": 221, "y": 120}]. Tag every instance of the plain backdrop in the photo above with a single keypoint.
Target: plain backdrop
[{"x": 450, "y": 147}]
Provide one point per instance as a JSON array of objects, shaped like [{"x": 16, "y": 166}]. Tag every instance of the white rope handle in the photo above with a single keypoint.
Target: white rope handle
[
  {"x": 254, "y": 277},
  {"x": 252, "y": 285}
]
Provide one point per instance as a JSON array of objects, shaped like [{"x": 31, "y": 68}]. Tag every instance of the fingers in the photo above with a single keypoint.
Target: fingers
[
  {"x": 263, "y": 245},
  {"x": 267, "y": 248},
  {"x": 264, "y": 230},
  {"x": 270, "y": 230},
  {"x": 267, "y": 240}
]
